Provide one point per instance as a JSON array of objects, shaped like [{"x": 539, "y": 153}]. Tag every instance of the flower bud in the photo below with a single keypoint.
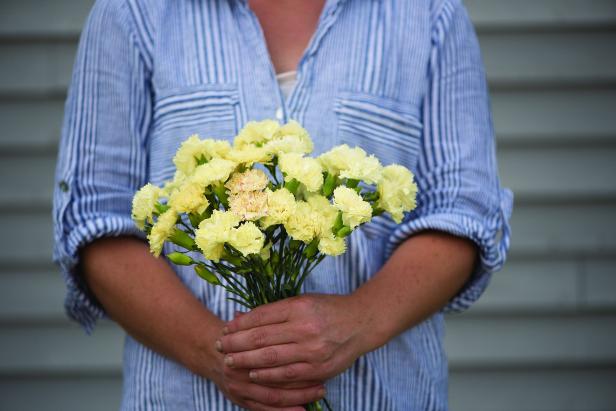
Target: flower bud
[
  {"x": 180, "y": 259},
  {"x": 207, "y": 275}
]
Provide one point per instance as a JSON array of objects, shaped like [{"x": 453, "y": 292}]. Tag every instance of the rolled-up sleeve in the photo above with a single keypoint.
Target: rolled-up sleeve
[
  {"x": 457, "y": 176},
  {"x": 101, "y": 161}
]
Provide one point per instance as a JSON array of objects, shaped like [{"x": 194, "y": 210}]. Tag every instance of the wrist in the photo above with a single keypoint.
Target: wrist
[
  {"x": 199, "y": 355},
  {"x": 372, "y": 323}
]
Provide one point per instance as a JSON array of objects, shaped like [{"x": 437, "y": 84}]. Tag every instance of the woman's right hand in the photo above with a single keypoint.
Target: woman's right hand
[{"x": 237, "y": 386}]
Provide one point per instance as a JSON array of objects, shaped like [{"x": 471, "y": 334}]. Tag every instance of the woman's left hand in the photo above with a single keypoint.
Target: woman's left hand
[{"x": 309, "y": 338}]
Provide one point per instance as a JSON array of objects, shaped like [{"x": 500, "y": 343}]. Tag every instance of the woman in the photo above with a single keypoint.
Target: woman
[{"x": 402, "y": 79}]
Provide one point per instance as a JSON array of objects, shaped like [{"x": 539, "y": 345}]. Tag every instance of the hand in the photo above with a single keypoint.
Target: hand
[
  {"x": 305, "y": 339},
  {"x": 237, "y": 386}
]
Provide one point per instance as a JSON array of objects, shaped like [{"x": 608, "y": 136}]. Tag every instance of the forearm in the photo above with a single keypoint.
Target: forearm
[
  {"x": 145, "y": 296},
  {"x": 421, "y": 276}
]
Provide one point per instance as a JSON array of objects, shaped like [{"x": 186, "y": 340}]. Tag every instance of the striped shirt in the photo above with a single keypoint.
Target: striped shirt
[{"x": 401, "y": 78}]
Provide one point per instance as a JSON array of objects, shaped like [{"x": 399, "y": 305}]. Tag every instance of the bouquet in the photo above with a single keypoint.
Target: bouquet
[{"x": 258, "y": 216}]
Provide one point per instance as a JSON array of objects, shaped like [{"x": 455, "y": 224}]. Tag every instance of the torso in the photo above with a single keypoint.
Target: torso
[{"x": 288, "y": 26}]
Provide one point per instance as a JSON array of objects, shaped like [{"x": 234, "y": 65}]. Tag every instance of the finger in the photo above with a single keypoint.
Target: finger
[
  {"x": 277, "y": 397},
  {"x": 267, "y": 357},
  {"x": 257, "y": 337},
  {"x": 271, "y": 313},
  {"x": 301, "y": 371},
  {"x": 255, "y": 406}
]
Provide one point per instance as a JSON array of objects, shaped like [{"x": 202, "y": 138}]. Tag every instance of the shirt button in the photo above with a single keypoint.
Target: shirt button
[{"x": 279, "y": 114}]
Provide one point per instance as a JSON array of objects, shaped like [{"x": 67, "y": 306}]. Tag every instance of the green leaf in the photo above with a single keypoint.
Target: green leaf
[
  {"x": 161, "y": 208},
  {"x": 312, "y": 248},
  {"x": 221, "y": 193},
  {"x": 207, "y": 275},
  {"x": 352, "y": 183},
  {"x": 292, "y": 186},
  {"x": 338, "y": 224}
]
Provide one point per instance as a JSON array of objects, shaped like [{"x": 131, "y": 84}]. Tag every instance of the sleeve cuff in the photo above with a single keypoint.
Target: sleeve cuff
[
  {"x": 80, "y": 303},
  {"x": 490, "y": 233}
]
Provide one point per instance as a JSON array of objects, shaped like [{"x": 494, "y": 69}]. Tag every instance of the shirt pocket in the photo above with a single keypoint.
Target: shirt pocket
[
  {"x": 211, "y": 111},
  {"x": 389, "y": 129}
]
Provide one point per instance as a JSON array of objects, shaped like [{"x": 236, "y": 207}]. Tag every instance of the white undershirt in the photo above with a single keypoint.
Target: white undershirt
[{"x": 286, "y": 81}]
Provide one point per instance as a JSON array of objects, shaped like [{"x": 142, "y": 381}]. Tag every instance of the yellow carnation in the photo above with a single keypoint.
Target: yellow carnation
[
  {"x": 397, "y": 191},
  {"x": 247, "y": 239},
  {"x": 144, "y": 204},
  {"x": 280, "y": 205},
  {"x": 256, "y": 133},
  {"x": 248, "y": 155},
  {"x": 194, "y": 148},
  {"x": 250, "y": 180},
  {"x": 214, "y": 232},
  {"x": 324, "y": 212},
  {"x": 351, "y": 163},
  {"x": 189, "y": 198},
  {"x": 161, "y": 231},
  {"x": 355, "y": 210},
  {"x": 290, "y": 138},
  {"x": 331, "y": 245},
  {"x": 214, "y": 171},
  {"x": 249, "y": 205},
  {"x": 302, "y": 224},
  {"x": 306, "y": 170}
]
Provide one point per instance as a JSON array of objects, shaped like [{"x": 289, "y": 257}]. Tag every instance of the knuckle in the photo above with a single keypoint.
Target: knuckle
[
  {"x": 259, "y": 317},
  {"x": 233, "y": 389},
  {"x": 273, "y": 397},
  {"x": 312, "y": 328},
  {"x": 258, "y": 338},
  {"x": 290, "y": 372},
  {"x": 269, "y": 356},
  {"x": 319, "y": 351}
]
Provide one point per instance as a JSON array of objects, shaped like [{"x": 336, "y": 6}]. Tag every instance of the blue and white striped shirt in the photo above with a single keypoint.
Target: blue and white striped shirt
[{"x": 401, "y": 78}]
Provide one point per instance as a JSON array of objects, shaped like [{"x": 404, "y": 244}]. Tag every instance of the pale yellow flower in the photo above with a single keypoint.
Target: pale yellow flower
[
  {"x": 194, "y": 148},
  {"x": 247, "y": 239},
  {"x": 144, "y": 204},
  {"x": 355, "y": 210},
  {"x": 161, "y": 231},
  {"x": 189, "y": 198},
  {"x": 280, "y": 205},
  {"x": 290, "y": 138},
  {"x": 249, "y": 205},
  {"x": 248, "y": 155},
  {"x": 332, "y": 245},
  {"x": 353, "y": 163},
  {"x": 250, "y": 180},
  {"x": 214, "y": 232},
  {"x": 217, "y": 170},
  {"x": 171, "y": 186},
  {"x": 256, "y": 133},
  {"x": 397, "y": 191},
  {"x": 303, "y": 223},
  {"x": 306, "y": 170},
  {"x": 324, "y": 212}
]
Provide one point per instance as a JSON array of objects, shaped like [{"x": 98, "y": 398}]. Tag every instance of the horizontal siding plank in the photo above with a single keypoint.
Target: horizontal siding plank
[
  {"x": 531, "y": 286},
  {"x": 549, "y": 59},
  {"x": 32, "y": 18},
  {"x": 531, "y": 341},
  {"x": 522, "y": 287},
  {"x": 599, "y": 283},
  {"x": 529, "y": 117},
  {"x": 560, "y": 229},
  {"x": 30, "y": 125},
  {"x": 64, "y": 18},
  {"x": 554, "y": 116},
  {"x": 511, "y": 60},
  {"x": 65, "y": 393},
  {"x": 67, "y": 349},
  {"x": 533, "y": 173},
  {"x": 471, "y": 341},
  {"x": 543, "y": 14},
  {"x": 533, "y": 390}
]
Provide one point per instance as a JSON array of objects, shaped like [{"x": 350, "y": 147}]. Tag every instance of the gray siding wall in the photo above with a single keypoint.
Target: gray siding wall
[{"x": 542, "y": 338}]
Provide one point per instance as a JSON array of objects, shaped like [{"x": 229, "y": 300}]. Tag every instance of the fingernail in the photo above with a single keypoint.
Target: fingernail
[
  {"x": 229, "y": 360},
  {"x": 322, "y": 392},
  {"x": 218, "y": 346},
  {"x": 225, "y": 330},
  {"x": 252, "y": 375}
]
